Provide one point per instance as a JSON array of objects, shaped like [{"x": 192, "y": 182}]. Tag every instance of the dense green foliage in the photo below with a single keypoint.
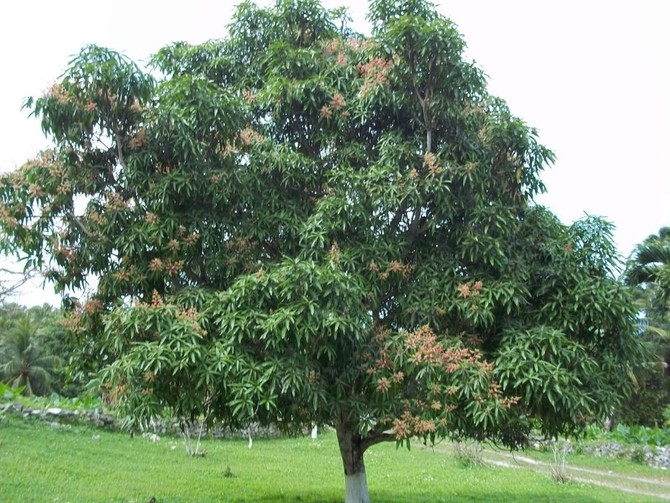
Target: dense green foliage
[
  {"x": 298, "y": 224},
  {"x": 641, "y": 435},
  {"x": 274, "y": 470},
  {"x": 84, "y": 403}
]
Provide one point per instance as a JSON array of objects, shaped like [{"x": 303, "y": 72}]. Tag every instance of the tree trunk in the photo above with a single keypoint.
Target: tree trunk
[{"x": 352, "y": 449}]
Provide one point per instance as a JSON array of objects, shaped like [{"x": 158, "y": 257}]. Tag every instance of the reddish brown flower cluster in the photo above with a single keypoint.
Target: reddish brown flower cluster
[
  {"x": 313, "y": 377},
  {"x": 249, "y": 137},
  {"x": 96, "y": 217},
  {"x": 122, "y": 275},
  {"x": 114, "y": 201},
  {"x": 173, "y": 245},
  {"x": 465, "y": 290},
  {"x": 92, "y": 306},
  {"x": 374, "y": 74},
  {"x": 173, "y": 267},
  {"x": 59, "y": 93},
  {"x": 64, "y": 188},
  {"x": 394, "y": 267},
  {"x": 109, "y": 99},
  {"x": 384, "y": 360},
  {"x": 35, "y": 191},
  {"x": 428, "y": 349},
  {"x": 163, "y": 169},
  {"x": 331, "y": 47},
  {"x": 156, "y": 299},
  {"x": 402, "y": 427},
  {"x": 192, "y": 238},
  {"x": 431, "y": 164},
  {"x": 359, "y": 44},
  {"x": 62, "y": 252},
  {"x": 326, "y": 112},
  {"x": 335, "y": 252},
  {"x": 337, "y": 102},
  {"x": 190, "y": 315},
  {"x": 216, "y": 179},
  {"x": 138, "y": 140},
  {"x": 423, "y": 426},
  {"x": 248, "y": 96},
  {"x": 338, "y": 48},
  {"x": 509, "y": 401},
  {"x": 227, "y": 150},
  {"x": 342, "y": 59},
  {"x": 408, "y": 425},
  {"x": 7, "y": 219},
  {"x": 72, "y": 322},
  {"x": 383, "y": 384}
]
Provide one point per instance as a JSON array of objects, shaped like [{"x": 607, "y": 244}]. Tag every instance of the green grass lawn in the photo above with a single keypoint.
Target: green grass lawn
[{"x": 42, "y": 463}]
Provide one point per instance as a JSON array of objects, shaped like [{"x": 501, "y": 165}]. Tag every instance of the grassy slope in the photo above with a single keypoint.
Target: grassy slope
[{"x": 39, "y": 463}]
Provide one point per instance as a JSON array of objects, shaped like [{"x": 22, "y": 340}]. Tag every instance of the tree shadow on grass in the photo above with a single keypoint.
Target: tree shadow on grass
[
  {"x": 485, "y": 497},
  {"x": 562, "y": 495}
]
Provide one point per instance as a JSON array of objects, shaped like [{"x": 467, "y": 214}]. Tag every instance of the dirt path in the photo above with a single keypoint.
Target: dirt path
[{"x": 658, "y": 487}]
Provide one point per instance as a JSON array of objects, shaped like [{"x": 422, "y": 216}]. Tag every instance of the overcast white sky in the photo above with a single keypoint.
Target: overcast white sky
[{"x": 592, "y": 75}]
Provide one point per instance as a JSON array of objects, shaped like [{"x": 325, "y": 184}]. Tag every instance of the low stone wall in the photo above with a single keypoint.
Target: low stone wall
[
  {"x": 657, "y": 457},
  {"x": 96, "y": 417},
  {"x": 103, "y": 419}
]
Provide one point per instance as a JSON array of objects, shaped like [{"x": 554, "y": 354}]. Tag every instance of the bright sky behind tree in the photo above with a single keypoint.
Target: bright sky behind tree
[{"x": 593, "y": 76}]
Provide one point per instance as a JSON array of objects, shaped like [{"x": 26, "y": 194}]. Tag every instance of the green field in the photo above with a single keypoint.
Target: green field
[{"x": 40, "y": 462}]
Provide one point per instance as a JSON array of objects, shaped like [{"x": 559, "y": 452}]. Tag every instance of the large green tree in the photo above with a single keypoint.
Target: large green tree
[{"x": 299, "y": 224}]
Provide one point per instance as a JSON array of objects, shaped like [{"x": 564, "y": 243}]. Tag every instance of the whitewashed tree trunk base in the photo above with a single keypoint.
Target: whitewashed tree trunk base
[{"x": 357, "y": 488}]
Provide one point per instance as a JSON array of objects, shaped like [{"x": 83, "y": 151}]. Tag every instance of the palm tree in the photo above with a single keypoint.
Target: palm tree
[
  {"x": 650, "y": 269},
  {"x": 21, "y": 360}
]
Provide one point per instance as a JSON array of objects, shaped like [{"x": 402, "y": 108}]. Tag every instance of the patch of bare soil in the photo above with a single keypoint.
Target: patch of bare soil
[{"x": 657, "y": 487}]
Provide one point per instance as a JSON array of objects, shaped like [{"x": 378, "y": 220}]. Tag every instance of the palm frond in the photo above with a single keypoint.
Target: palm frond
[
  {"x": 48, "y": 362},
  {"x": 40, "y": 379}
]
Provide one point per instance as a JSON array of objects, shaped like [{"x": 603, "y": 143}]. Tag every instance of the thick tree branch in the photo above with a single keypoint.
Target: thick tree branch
[
  {"x": 376, "y": 437},
  {"x": 75, "y": 220},
  {"x": 13, "y": 280},
  {"x": 398, "y": 216}
]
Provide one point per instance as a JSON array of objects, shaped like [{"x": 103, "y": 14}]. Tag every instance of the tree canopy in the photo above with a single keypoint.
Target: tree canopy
[{"x": 301, "y": 224}]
